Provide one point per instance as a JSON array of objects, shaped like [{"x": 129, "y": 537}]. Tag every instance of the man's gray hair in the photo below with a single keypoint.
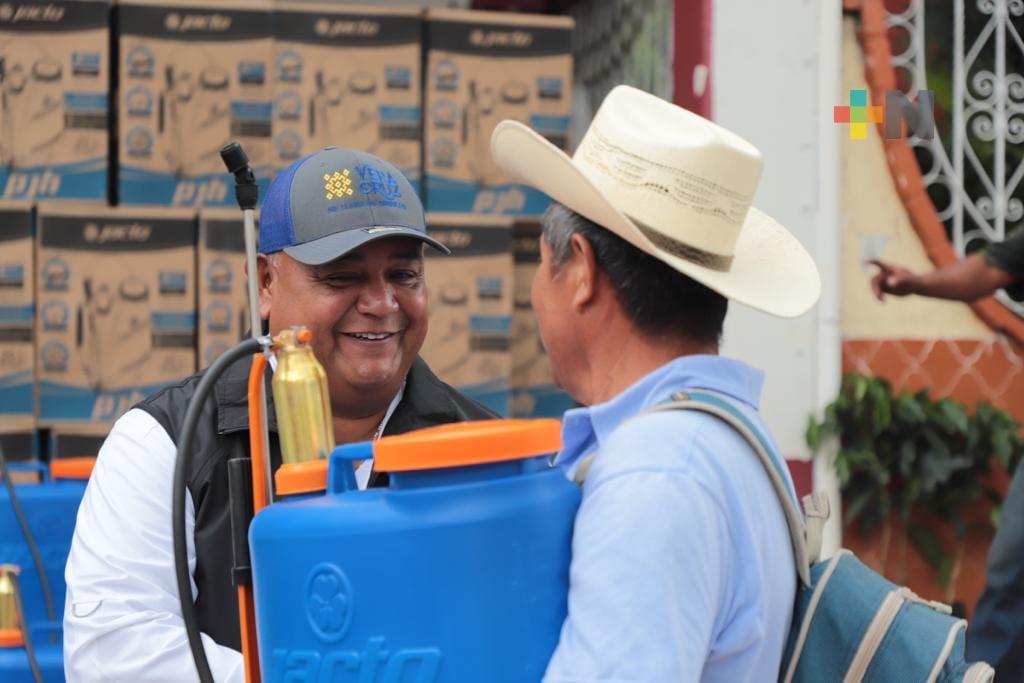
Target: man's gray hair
[
  {"x": 657, "y": 298},
  {"x": 559, "y": 225}
]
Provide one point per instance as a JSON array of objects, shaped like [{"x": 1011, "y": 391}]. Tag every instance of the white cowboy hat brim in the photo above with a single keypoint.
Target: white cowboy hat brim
[{"x": 770, "y": 271}]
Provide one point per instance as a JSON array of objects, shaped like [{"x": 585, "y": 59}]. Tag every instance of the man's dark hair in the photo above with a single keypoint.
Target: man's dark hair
[{"x": 658, "y": 299}]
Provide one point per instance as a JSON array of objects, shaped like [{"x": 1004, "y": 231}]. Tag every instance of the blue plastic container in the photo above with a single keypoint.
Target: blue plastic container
[
  {"x": 451, "y": 574},
  {"x": 51, "y": 508},
  {"x": 14, "y": 666}
]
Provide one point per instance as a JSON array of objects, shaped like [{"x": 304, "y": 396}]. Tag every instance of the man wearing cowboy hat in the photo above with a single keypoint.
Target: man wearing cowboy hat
[{"x": 682, "y": 568}]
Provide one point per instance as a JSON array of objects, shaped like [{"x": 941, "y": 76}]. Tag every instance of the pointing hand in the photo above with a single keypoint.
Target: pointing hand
[{"x": 891, "y": 279}]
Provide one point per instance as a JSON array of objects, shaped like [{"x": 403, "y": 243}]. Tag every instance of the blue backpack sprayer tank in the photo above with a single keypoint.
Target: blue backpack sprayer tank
[
  {"x": 37, "y": 521},
  {"x": 457, "y": 571}
]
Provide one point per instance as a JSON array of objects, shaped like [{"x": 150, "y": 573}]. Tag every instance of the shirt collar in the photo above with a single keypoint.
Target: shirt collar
[
  {"x": 584, "y": 429},
  {"x": 425, "y": 402}
]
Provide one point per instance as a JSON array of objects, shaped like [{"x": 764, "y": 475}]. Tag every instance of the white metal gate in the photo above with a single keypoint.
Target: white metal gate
[{"x": 973, "y": 171}]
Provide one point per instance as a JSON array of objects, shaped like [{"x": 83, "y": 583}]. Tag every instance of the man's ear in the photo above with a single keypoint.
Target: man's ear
[
  {"x": 582, "y": 272},
  {"x": 267, "y": 273}
]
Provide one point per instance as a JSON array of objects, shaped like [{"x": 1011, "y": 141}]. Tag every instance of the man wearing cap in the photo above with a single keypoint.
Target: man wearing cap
[
  {"x": 341, "y": 241},
  {"x": 682, "y": 568}
]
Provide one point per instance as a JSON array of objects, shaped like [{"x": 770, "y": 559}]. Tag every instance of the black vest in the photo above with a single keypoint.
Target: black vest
[{"x": 223, "y": 433}]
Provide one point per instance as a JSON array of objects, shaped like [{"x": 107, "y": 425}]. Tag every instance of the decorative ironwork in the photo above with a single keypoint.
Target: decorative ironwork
[
  {"x": 623, "y": 41},
  {"x": 974, "y": 167}
]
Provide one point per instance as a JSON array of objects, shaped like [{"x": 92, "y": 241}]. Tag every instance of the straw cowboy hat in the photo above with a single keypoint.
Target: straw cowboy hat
[{"x": 676, "y": 186}]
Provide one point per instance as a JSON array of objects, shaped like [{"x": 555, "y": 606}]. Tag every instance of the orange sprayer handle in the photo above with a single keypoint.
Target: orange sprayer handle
[
  {"x": 250, "y": 648},
  {"x": 256, "y": 445},
  {"x": 246, "y": 603}
]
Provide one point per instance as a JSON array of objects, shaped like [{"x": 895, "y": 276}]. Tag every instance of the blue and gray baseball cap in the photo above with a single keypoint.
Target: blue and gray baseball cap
[{"x": 333, "y": 201}]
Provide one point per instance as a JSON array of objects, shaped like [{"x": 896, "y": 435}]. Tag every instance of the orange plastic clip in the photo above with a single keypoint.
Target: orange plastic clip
[
  {"x": 301, "y": 477},
  {"x": 11, "y": 637}
]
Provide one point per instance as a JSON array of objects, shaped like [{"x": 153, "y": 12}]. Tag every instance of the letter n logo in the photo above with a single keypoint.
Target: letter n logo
[{"x": 920, "y": 117}]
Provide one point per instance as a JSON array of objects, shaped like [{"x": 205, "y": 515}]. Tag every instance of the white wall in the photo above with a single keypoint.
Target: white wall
[{"x": 775, "y": 77}]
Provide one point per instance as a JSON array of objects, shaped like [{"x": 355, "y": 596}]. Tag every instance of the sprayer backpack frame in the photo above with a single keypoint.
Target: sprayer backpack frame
[{"x": 849, "y": 623}]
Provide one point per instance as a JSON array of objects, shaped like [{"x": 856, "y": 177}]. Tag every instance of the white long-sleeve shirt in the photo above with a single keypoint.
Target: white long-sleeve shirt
[{"x": 122, "y": 618}]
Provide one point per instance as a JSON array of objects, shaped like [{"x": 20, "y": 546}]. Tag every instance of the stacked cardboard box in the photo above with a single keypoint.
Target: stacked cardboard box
[
  {"x": 192, "y": 77},
  {"x": 119, "y": 292},
  {"x": 349, "y": 77},
  {"x": 17, "y": 320},
  {"x": 223, "y": 300},
  {"x": 483, "y": 67},
  {"x": 533, "y": 392},
  {"x": 54, "y": 75},
  {"x": 471, "y": 305},
  {"x": 116, "y": 297}
]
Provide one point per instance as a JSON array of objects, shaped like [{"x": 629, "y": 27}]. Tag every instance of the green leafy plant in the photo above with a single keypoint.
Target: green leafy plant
[{"x": 896, "y": 454}]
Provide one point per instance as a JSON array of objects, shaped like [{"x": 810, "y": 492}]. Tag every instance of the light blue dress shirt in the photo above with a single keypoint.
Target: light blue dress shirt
[{"x": 681, "y": 562}]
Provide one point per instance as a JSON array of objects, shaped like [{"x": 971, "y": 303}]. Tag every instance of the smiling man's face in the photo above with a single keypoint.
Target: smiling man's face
[{"x": 367, "y": 311}]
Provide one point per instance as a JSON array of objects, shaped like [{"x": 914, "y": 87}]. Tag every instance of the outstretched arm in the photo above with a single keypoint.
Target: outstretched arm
[{"x": 966, "y": 280}]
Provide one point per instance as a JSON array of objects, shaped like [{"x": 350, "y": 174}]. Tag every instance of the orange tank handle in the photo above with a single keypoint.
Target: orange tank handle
[
  {"x": 467, "y": 443},
  {"x": 72, "y": 468}
]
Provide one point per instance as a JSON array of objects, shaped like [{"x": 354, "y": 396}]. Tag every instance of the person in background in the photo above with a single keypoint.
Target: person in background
[
  {"x": 996, "y": 634},
  {"x": 682, "y": 568},
  {"x": 978, "y": 275},
  {"x": 341, "y": 236}
]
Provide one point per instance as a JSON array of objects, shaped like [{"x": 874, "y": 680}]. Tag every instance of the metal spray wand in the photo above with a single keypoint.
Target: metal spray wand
[{"x": 247, "y": 194}]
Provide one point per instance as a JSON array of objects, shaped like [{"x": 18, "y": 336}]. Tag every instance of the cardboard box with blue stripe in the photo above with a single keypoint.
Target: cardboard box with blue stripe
[
  {"x": 532, "y": 389},
  {"x": 54, "y": 80},
  {"x": 117, "y": 295},
  {"x": 481, "y": 68},
  {"x": 348, "y": 76},
  {"x": 223, "y": 296},
  {"x": 17, "y": 318},
  {"x": 470, "y": 290},
  {"x": 192, "y": 77}
]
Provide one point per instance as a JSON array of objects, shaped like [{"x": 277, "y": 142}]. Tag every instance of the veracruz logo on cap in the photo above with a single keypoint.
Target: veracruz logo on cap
[
  {"x": 379, "y": 182},
  {"x": 372, "y": 181}
]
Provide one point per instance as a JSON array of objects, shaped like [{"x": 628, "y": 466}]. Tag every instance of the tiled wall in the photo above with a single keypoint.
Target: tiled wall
[{"x": 969, "y": 370}]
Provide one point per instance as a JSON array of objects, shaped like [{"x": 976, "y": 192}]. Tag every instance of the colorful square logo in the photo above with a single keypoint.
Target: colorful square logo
[{"x": 858, "y": 114}]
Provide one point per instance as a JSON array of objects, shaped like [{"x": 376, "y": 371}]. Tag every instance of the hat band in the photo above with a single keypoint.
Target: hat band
[{"x": 685, "y": 251}]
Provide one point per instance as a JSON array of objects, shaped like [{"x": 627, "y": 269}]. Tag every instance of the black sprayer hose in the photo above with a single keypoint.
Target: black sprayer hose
[
  {"x": 30, "y": 650},
  {"x": 30, "y": 540},
  {"x": 182, "y": 465}
]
